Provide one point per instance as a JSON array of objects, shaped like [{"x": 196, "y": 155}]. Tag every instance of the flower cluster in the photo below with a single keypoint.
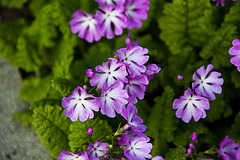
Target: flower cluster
[
  {"x": 235, "y": 51},
  {"x": 120, "y": 81},
  {"x": 194, "y": 104},
  {"x": 111, "y": 18}
]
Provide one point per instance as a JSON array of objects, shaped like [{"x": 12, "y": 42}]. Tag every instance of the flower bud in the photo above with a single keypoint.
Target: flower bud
[
  {"x": 180, "y": 78},
  {"x": 89, "y": 131},
  {"x": 89, "y": 73},
  {"x": 85, "y": 87},
  {"x": 194, "y": 136},
  {"x": 189, "y": 151},
  {"x": 191, "y": 146}
]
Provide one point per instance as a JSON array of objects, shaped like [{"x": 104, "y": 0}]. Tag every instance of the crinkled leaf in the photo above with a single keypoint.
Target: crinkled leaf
[
  {"x": 64, "y": 86},
  {"x": 235, "y": 132},
  {"x": 181, "y": 24},
  {"x": 52, "y": 127},
  {"x": 235, "y": 77},
  {"x": 162, "y": 121},
  {"x": 78, "y": 132},
  {"x": 176, "y": 153},
  {"x": 234, "y": 14},
  {"x": 35, "y": 88},
  {"x": 218, "y": 46}
]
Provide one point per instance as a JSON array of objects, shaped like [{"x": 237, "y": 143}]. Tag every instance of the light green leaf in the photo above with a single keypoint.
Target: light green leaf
[
  {"x": 13, "y": 3},
  {"x": 52, "y": 128},
  {"x": 64, "y": 86},
  {"x": 24, "y": 116}
]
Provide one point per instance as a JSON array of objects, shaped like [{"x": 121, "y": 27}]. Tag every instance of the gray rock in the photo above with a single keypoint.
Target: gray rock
[{"x": 16, "y": 142}]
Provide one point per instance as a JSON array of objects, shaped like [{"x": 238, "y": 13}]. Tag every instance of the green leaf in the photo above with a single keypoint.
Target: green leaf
[
  {"x": 234, "y": 14},
  {"x": 44, "y": 102},
  {"x": 235, "y": 78},
  {"x": 78, "y": 132},
  {"x": 13, "y": 3},
  {"x": 64, "y": 86},
  {"x": 176, "y": 154},
  {"x": 35, "y": 89},
  {"x": 181, "y": 24},
  {"x": 162, "y": 121},
  {"x": 235, "y": 132},
  {"x": 218, "y": 46},
  {"x": 52, "y": 127},
  {"x": 217, "y": 109},
  {"x": 24, "y": 116}
]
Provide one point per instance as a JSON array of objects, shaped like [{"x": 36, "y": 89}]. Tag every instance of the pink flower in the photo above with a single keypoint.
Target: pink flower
[
  {"x": 79, "y": 105},
  {"x": 191, "y": 105},
  {"x": 235, "y": 51},
  {"x": 86, "y": 25},
  {"x": 97, "y": 150},
  {"x": 111, "y": 15},
  {"x": 65, "y": 155},
  {"x": 207, "y": 84},
  {"x": 228, "y": 149}
]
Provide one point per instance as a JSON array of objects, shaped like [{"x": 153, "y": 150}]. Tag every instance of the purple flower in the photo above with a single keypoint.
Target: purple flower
[
  {"x": 191, "y": 105},
  {"x": 97, "y": 150},
  {"x": 135, "y": 122},
  {"x": 207, "y": 84},
  {"x": 238, "y": 154},
  {"x": 136, "y": 87},
  {"x": 136, "y": 10},
  {"x": 109, "y": 73},
  {"x": 157, "y": 158},
  {"x": 228, "y": 149},
  {"x": 135, "y": 58},
  {"x": 113, "y": 99},
  {"x": 86, "y": 25},
  {"x": 138, "y": 148},
  {"x": 65, "y": 155},
  {"x": 218, "y": 1},
  {"x": 151, "y": 69},
  {"x": 106, "y": 2},
  {"x": 80, "y": 105},
  {"x": 235, "y": 51},
  {"x": 194, "y": 136},
  {"x": 111, "y": 15}
]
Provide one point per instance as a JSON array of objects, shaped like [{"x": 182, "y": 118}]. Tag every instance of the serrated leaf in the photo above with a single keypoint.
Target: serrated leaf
[
  {"x": 52, "y": 128},
  {"x": 162, "y": 121},
  {"x": 44, "y": 102},
  {"x": 234, "y": 14},
  {"x": 64, "y": 86},
  {"x": 78, "y": 132},
  {"x": 235, "y": 132},
  {"x": 35, "y": 89},
  {"x": 218, "y": 46},
  {"x": 181, "y": 24},
  {"x": 24, "y": 116},
  {"x": 176, "y": 154}
]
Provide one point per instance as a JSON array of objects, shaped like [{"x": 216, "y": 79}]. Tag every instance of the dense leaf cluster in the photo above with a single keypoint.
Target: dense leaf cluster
[{"x": 181, "y": 36}]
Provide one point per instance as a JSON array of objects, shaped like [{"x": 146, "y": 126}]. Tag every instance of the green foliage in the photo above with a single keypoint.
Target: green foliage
[
  {"x": 52, "y": 127},
  {"x": 24, "y": 116},
  {"x": 64, "y": 86},
  {"x": 35, "y": 89},
  {"x": 218, "y": 46},
  {"x": 78, "y": 132},
  {"x": 176, "y": 153},
  {"x": 181, "y": 24},
  {"x": 13, "y": 3},
  {"x": 235, "y": 132},
  {"x": 162, "y": 121},
  {"x": 235, "y": 77},
  {"x": 233, "y": 15}
]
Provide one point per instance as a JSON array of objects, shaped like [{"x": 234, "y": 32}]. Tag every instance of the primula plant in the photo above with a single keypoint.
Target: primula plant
[{"x": 128, "y": 79}]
